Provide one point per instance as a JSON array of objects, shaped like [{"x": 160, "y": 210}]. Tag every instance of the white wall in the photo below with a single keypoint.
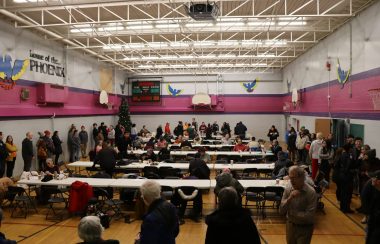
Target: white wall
[
  {"x": 270, "y": 83},
  {"x": 18, "y": 129},
  {"x": 81, "y": 71},
  {"x": 257, "y": 125},
  {"x": 309, "y": 69}
]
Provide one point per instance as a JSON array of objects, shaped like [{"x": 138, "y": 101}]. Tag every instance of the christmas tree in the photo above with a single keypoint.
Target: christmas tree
[{"x": 124, "y": 117}]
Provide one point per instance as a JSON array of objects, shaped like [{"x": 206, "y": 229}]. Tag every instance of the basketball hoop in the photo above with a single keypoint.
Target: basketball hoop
[
  {"x": 375, "y": 96},
  {"x": 109, "y": 106}
]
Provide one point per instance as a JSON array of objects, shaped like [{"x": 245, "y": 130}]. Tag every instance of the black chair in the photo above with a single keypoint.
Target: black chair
[
  {"x": 254, "y": 161},
  {"x": 167, "y": 192},
  {"x": 249, "y": 173},
  {"x": 108, "y": 203},
  {"x": 255, "y": 194},
  {"x": 151, "y": 172},
  {"x": 225, "y": 149},
  {"x": 56, "y": 197},
  {"x": 221, "y": 161},
  {"x": 91, "y": 170},
  {"x": 164, "y": 171},
  {"x": 274, "y": 195},
  {"x": 21, "y": 200},
  {"x": 175, "y": 148},
  {"x": 265, "y": 173}
]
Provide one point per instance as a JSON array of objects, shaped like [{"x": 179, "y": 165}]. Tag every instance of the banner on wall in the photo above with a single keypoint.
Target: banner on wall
[
  {"x": 250, "y": 86},
  {"x": 46, "y": 64},
  {"x": 342, "y": 74},
  {"x": 11, "y": 71}
]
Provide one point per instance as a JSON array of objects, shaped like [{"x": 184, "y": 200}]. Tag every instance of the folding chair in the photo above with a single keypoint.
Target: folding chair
[
  {"x": 21, "y": 200},
  {"x": 167, "y": 192},
  {"x": 151, "y": 172},
  {"x": 255, "y": 194},
  {"x": 273, "y": 194},
  {"x": 107, "y": 201},
  {"x": 55, "y": 198},
  {"x": 265, "y": 173},
  {"x": 249, "y": 173}
]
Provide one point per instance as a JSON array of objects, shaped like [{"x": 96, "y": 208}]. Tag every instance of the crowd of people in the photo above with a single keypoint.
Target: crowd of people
[{"x": 307, "y": 160}]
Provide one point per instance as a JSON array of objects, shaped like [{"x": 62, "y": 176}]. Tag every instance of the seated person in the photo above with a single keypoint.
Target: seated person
[
  {"x": 186, "y": 143},
  {"x": 198, "y": 140},
  {"x": 106, "y": 158},
  {"x": 254, "y": 145},
  {"x": 138, "y": 143},
  {"x": 226, "y": 179},
  {"x": 3, "y": 239},
  {"x": 163, "y": 154},
  {"x": 231, "y": 223},
  {"x": 162, "y": 143},
  {"x": 226, "y": 139},
  {"x": 198, "y": 168},
  {"x": 51, "y": 168},
  {"x": 149, "y": 155},
  {"x": 150, "y": 143},
  {"x": 275, "y": 148},
  {"x": 178, "y": 140},
  {"x": 203, "y": 155},
  {"x": 240, "y": 147},
  {"x": 281, "y": 162},
  {"x": 90, "y": 231}
]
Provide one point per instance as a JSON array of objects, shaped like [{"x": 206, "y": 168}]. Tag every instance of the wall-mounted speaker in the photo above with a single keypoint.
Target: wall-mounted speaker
[{"x": 24, "y": 94}]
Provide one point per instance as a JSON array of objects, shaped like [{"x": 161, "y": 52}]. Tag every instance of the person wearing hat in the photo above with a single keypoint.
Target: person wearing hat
[{"x": 370, "y": 197}]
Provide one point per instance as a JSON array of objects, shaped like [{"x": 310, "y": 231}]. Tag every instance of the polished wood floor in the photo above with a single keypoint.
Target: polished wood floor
[{"x": 331, "y": 227}]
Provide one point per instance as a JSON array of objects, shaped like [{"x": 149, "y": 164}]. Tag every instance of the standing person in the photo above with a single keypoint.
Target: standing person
[
  {"x": 299, "y": 203},
  {"x": 326, "y": 157},
  {"x": 226, "y": 129},
  {"x": 191, "y": 132},
  {"x": 106, "y": 158},
  {"x": 27, "y": 151},
  {"x": 194, "y": 123},
  {"x": 49, "y": 143},
  {"x": 133, "y": 132},
  {"x": 103, "y": 129},
  {"x": 344, "y": 168},
  {"x": 301, "y": 142},
  {"x": 240, "y": 130},
  {"x": 273, "y": 133},
  {"x": 12, "y": 153},
  {"x": 370, "y": 197},
  {"x": 70, "y": 142},
  {"x": 292, "y": 137},
  {"x": 125, "y": 144},
  {"x": 167, "y": 128},
  {"x": 178, "y": 131},
  {"x": 75, "y": 146},
  {"x": 160, "y": 223},
  {"x": 232, "y": 219},
  {"x": 159, "y": 132},
  {"x": 42, "y": 155},
  {"x": 209, "y": 132},
  {"x": 314, "y": 154},
  {"x": 118, "y": 133},
  {"x": 57, "y": 145},
  {"x": 111, "y": 135},
  {"x": 95, "y": 132},
  {"x": 3, "y": 155},
  {"x": 202, "y": 129},
  {"x": 83, "y": 138},
  {"x": 215, "y": 128}
]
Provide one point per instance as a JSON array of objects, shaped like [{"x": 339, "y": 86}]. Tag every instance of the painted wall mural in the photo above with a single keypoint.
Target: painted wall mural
[
  {"x": 10, "y": 73},
  {"x": 172, "y": 91},
  {"x": 250, "y": 86},
  {"x": 342, "y": 74}
]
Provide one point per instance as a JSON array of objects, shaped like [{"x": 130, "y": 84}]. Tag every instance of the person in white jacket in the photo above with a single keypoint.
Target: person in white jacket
[{"x": 314, "y": 154}]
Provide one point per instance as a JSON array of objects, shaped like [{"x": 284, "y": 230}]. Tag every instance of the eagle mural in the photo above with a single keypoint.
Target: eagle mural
[
  {"x": 342, "y": 75},
  {"x": 9, "y": 72},
  {"x": 174, "y": 92},
  {"x": 250, "y": 86}
]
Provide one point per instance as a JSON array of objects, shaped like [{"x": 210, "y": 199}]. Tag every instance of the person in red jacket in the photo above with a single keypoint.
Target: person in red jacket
[{"x": 240, "y": 146}]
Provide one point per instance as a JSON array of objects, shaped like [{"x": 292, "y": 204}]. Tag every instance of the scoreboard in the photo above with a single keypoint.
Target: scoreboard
[{"x": 146, "y": 91}]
